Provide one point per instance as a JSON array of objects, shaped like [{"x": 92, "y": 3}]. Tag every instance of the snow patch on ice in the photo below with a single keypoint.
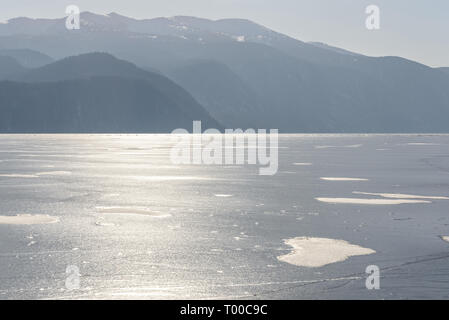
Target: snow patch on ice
[{"x": 318, "y": 252}]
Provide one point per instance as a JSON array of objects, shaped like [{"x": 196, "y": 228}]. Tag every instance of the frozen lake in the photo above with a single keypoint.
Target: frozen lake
[{"x": 137, "y": 226}]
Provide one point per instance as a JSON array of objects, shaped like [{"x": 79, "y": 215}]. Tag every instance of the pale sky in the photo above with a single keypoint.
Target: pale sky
[{"x": 414, "y": 29}]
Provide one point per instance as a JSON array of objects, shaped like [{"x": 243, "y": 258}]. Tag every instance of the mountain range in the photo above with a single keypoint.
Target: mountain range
[
  {"x": 95, "y": 93},
  {"x": 231, "y": 73}
]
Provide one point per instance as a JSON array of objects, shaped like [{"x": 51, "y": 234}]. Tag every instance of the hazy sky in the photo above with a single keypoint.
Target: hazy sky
[{"x": 415, "y": 29}]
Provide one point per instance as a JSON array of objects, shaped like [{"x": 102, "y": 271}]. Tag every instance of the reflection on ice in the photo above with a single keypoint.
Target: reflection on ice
[
  {"x": 343, "y": 179},
  {"x": 369, "y": 201},
  {"x": 224, "y": 218},
  {"x": 422, "y": 144},
  {"x": 28, "y": 219},
  {"x": 401, "y": 196},
  {"x": 133, "y": 211},
  {"x": 54, "y": 173},
  {"x": 14, "y": 175},
  {"x": 348, "y": 146},
  {"x": 169, "y": 178}
]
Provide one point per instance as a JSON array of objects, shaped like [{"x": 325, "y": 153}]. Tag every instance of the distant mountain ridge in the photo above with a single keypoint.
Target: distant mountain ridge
[
  {"x": 227, "y": 97},
  {"x": 96, "y": 93},
  {"x": 27, "y": 58},
  {"x": 9, "y": 67}
]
